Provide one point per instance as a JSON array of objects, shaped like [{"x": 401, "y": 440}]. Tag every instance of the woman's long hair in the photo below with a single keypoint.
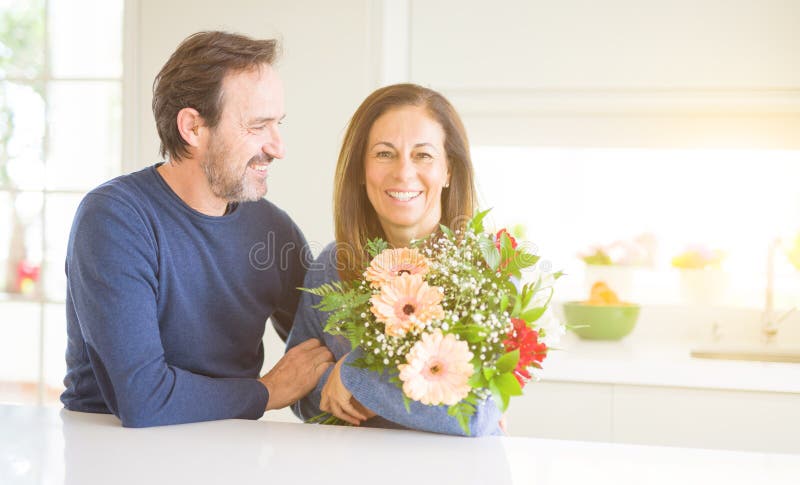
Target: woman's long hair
[{"x": 355, "y": 219}]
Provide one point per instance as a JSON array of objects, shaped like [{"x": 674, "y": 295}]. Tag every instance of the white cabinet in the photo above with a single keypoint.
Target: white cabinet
[
  {"x": 563, "y": 410},
  {"x": 616, "y": 73},
  {"x": 654, "y": 415},
  {"x": 652, "y": 45}
]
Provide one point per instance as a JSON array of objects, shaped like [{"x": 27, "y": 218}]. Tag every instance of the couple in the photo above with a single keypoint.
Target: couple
[{"x": 166, "y": 299}]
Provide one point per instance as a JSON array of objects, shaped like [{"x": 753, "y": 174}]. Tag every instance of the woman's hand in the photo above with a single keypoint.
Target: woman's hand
[{"x": 337, "y": 400}]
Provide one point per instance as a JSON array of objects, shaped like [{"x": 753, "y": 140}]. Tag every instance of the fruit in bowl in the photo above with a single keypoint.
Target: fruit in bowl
[{"x": 603, "y": 316}]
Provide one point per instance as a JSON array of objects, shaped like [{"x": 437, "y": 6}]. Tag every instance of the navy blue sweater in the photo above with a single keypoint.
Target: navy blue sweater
[{"x": 166, "y": 306}]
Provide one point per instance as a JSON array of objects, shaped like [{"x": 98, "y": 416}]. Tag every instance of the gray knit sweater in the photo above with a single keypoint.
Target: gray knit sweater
[{"x": 371, "y": 390}]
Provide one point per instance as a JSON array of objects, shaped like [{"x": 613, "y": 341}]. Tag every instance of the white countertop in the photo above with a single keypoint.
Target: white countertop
[
  {"x": 642, "y": 362},
  {"x": 54, "y": 446}
]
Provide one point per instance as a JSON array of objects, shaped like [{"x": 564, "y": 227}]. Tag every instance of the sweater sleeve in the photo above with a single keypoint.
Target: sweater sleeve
[
  {"x": 309, "y": 323},
  {"x": 386, "y": 399},
  {"x": 297, "y": 256},
  {"x": 112, "y": 268}
]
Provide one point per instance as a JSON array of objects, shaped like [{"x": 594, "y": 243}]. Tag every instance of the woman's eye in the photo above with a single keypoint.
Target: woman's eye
[
  {"x": 423, "y": 155},
  {"x": 384, "y": 154}
]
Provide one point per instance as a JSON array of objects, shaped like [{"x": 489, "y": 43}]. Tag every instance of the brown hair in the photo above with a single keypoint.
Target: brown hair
[
  {"x": 192, "y": 78},
  {"x": 355, "y": 219}
]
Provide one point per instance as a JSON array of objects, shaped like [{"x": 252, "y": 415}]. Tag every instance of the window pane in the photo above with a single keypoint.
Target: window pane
[
  {"x": 85, "y": 38},
  {"x": 736, "y": 201},
  {"x": 59, "y": 213},
  {"x": 21, "y": 242},
  {"x": 22, "y": 122},
  {"x": 21, "y": 39},
  {"x": 55, "y": 345},
  {"x": 19, "y": 351},
  {"x": 85, "y": 134}
]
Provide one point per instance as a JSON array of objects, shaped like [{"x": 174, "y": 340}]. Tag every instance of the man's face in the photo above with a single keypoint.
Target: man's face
[{"x": 246, "y": 139}]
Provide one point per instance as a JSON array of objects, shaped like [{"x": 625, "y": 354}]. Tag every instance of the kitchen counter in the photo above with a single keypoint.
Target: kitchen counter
[
  {"x": 43, "y": 445},
  {"x": 649, "y": 363}
]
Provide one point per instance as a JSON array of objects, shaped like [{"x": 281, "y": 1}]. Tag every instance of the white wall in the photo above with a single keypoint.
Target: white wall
[{"x": 621, "y": 73}]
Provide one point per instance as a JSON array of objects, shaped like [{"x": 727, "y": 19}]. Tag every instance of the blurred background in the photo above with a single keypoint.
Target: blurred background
[{"x": 656, "y": 144}]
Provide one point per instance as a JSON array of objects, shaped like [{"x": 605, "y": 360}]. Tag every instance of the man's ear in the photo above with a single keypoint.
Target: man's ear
[{"x": 190, "y": 124}]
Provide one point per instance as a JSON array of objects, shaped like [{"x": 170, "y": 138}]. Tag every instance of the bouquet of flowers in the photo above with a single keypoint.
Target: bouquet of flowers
[{"x": 448, "y": 318}]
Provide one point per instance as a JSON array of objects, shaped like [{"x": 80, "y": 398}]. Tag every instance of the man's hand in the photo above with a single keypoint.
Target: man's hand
[
  {"x": 337, "y": 400},
  {"x": 296, "y": 374}
]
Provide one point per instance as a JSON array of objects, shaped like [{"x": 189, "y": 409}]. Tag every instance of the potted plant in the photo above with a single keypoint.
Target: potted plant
[
  {"x": 702, "y": 278},
  {"x": 614, "y": 263}
]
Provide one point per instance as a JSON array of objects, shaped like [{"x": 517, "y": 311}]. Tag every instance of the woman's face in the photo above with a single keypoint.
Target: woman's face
[{"x": 406, "y": 168}]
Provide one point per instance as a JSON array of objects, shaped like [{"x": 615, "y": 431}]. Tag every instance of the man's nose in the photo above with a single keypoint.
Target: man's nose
[{"x": 274, "y": 147}]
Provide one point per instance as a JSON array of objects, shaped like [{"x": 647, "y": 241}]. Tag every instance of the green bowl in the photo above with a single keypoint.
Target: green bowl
[{"x": 596, "y": 322}]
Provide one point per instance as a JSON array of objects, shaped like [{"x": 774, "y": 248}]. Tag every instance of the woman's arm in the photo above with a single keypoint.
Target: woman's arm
[
  {"x": 307, "y": 325},
  {"x": 386, "y": 399}
]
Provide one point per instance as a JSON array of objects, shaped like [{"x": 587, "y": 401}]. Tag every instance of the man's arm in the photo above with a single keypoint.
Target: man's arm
[{"x": 112, "y": 274}]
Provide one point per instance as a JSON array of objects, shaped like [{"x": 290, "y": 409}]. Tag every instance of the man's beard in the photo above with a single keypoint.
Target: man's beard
[{"x": 224, "y": 180}]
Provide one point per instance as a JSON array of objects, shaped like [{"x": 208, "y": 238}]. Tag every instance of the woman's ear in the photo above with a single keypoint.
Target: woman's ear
[{"x": 189, "y": 124}]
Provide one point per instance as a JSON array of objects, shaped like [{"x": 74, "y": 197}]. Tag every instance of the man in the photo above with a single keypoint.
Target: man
[{"x": 173, "y": 270}]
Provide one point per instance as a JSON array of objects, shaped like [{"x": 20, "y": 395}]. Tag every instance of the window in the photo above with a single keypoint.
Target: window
[
  {"x": 60, "y": 136},
  {"x": 736, "y": 201}
]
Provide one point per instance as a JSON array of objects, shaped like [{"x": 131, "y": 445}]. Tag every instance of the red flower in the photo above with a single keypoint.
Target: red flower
[
  {"x": 498, "y": 242},
  {"x": 531, "y": 351},
  {"x": 499, "y": 236}
]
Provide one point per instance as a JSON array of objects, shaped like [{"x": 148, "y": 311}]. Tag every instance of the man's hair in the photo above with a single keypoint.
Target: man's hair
[
  {"x": 192, "y": 78},
  {"x": 355, "y": 219}
]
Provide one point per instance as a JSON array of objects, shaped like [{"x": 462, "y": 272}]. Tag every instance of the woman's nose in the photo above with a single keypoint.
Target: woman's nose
[{"x": 405, "y": 168}]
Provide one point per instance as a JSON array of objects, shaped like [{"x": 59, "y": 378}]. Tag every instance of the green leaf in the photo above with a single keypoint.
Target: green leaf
[
  {"x": 490, "y": 252},
  {"x": 478, "y": 380},
  {"x": 519, "y": 261},
  {"x": 499, "y": 397},
  {"x": 532, "y": 314},
  {"x": 507, "y": 362},
  {"x": 407, "y": 403},
  {"x": 446, "y": 231},
  {"x": 470, "y": 332},
  {"x": 488, "y": 373},
  {"x": 476, "y": 223},
  {"x": 332, "y": 288},
  {"x": 503, "y": 302},
  {"x": 462, "y": 411},
  {"x": 508, "y": 384},
  {"x": 376, "y": 246}
]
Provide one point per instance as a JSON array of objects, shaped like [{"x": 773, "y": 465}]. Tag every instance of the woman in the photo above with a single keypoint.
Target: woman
[{"x": 404, "y": 168}]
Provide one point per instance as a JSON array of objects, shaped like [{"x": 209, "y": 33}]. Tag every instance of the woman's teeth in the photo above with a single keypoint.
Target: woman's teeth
[
  {"x": 403, "y": 195},
  {"x": 260, "y": 168}
]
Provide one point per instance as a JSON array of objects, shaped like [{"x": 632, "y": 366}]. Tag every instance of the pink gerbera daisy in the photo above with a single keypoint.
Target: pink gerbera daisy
[
  {"x": 392, "y": 263},
  {"x": 438, "y": 370},
  {"x": 407, "y": 302}
]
